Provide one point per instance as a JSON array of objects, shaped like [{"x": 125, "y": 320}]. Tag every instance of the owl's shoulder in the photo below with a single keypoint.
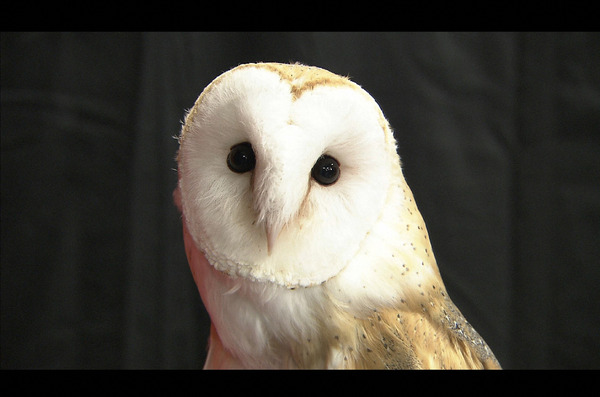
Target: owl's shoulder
[{"x": 394, "y": 338}]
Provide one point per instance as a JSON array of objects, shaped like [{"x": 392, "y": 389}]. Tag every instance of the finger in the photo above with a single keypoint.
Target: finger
[{"x": 197, "y": 261}]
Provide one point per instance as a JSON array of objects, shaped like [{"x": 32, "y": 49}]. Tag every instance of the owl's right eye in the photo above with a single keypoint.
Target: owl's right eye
[{"x": 241, "y": 158}]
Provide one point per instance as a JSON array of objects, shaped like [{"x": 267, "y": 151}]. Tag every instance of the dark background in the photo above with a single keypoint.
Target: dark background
[{"x": 499, "y": 134}]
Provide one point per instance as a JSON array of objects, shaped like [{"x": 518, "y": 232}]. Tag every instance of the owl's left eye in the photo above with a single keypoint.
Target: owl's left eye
[
  {"x": 241, "y": 158},
  {"x": 326, "y": 170}
]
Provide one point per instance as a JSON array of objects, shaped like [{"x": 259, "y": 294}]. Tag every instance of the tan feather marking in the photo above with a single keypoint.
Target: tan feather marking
[
  {"x": 400, "y": 339},
  {"x": 304, "y": 78},
  {"x": 301, "y": 79}
]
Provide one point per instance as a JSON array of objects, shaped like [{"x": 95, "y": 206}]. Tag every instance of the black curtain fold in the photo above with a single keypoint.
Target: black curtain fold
[
  {"x": 160, "y": 286},
  {"x": 499, "y": 135}
]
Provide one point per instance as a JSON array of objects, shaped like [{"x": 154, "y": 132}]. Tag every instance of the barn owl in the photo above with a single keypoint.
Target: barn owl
[{"x": 302, "y": 236}]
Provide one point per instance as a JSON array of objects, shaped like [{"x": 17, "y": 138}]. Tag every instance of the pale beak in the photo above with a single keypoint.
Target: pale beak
[{"x": 273, "y": 232}]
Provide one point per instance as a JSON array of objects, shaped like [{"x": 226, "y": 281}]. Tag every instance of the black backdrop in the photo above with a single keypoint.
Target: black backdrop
[{"x": 499, "y": 135}]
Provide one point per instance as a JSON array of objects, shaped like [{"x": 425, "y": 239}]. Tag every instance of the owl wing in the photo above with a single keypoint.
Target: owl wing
[
  {"x": 424, "y": 329},
  {"x": 436, "y": 337},
  {"x": 466, "y": 341}
]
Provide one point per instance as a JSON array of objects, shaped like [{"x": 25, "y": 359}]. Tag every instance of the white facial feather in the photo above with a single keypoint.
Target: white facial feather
[{"x": 317, "y": 229}]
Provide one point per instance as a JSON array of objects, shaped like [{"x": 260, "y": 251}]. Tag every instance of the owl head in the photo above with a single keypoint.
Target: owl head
[{"x": 284, "y": 169}]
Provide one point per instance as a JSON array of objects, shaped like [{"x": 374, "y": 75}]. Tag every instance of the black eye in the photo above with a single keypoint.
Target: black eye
[
  {"x": 326, "y": 170},
  {"x": 241, "y": 158}
]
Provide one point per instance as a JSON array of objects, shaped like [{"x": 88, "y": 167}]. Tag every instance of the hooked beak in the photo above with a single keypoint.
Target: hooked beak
[{"x": 272, "y": 232}]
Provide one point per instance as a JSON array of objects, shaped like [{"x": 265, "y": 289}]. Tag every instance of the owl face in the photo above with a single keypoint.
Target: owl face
[{"x": 283, "y": 171}]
